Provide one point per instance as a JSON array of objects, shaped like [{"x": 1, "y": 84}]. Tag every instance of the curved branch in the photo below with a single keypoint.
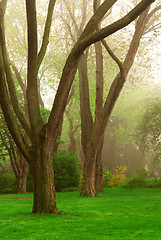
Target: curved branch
[
  {"x": 119, "y": 81},
  {"x": 114, "y": 57},
  {"x": 152, "y": 13},
  {"x": 45, "y": 41},
  {"x": 20, "y": 81},
  {"x": 86, "y": 41}
]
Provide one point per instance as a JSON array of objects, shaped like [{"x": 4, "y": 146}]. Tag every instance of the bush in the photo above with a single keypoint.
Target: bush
[
  {"x": 66, "y": 170},
  {"x": 118, "y": 176},
  {"x": 154, "y": 182},
  {"x": 113, "y": 180},
  {"x": 135, "y": 182},
  {"x": 107, "y": 177},
  {"x": 8, "y": 183},
  {"x": 142, "y": 178}
]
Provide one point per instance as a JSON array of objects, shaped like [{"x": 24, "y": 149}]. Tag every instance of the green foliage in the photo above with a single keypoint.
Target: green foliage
[
  {"x": 154, "y": 182},
  {"x": 135, "y": 182},
  {"x": 107, "y": 177},
  {"x": 66, "y": 172},
  {"x": 8, "y": 183},
  {"x": 141, "y": 179},
  {"x": 149, "y": 128},
  {"x": 60, "y": 141},
  {"x": 113, "y": 180},
  {"x": 44, "y": 114}
]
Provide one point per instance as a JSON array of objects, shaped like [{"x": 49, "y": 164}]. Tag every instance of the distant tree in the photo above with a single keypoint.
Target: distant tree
[
  {"x": 148, "y": 129},
  {"x": 18, "y": 163}
]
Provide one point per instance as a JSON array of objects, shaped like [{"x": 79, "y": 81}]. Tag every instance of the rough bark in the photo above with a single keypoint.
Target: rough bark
[
  {"x": 43, "y": 185},
  {"x": 88, "y": 184},
  {"x": 88, "y": 187}
]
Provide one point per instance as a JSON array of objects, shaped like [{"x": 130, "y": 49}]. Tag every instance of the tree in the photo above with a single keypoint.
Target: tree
[
  {"x": 39, "y": 150},
  {"x": 95, "y": 129},
  {"x": 149, "y": 128},
  {"x": 18, "y": 163}
]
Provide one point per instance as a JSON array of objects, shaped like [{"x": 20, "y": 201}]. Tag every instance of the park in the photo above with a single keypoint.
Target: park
[{"x": 80, "y": 128}]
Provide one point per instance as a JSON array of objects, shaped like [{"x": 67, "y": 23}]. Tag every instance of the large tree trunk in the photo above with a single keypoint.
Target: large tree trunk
[
  {"x": 43, "y": 185},
  {"x": 88, "y": 185},
  {"x": 98, "y": 113}
]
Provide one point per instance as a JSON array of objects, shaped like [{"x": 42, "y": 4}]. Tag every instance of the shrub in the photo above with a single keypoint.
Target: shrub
[
  {"x": 107, "y": 176},
  {"x": 154, "y": 182},
  {"x": 118, "y": 176},
  {"x": 134, "y": 182},
  {"x": 113, "y": 180},
  {"x": 66, "y": 170},
  {"x": 142, "y": 178},
  {"x": 8, "y": 183}
]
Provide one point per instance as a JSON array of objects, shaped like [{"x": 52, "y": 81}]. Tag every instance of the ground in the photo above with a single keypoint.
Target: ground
[{"x": 117, "y": 213}]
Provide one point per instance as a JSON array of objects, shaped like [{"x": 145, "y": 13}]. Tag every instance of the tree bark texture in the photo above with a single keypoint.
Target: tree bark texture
[
  {"x": 86, "y": 116},
  {"x": 43, "y": 179}
]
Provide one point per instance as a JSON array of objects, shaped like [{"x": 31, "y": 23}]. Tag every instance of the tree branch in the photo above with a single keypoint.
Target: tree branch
[
  {"x": 86, "y": 41},
  {"x": 9, "y": 115},
  {"x": 18, "y": 111},
  {"x": 114, "y": 57},
  {"x": 32, "y": 86},
  {"x": 47, "y": 28}
]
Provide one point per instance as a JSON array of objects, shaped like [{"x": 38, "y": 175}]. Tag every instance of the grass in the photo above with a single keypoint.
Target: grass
[{"x": 120, "y": 214}]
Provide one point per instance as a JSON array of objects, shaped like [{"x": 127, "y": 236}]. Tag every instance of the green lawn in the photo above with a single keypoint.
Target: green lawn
[{"x": 116, "y": 214}]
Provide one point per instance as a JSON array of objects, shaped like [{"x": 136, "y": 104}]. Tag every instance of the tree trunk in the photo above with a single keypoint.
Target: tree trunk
[
  {"x": 43, "y": 185},
  {"x": 98, "y": 112},
  {"x": 73, "y": 142},
  {"x": 88, "y": 185},
  {"x": 23, "y": 173},
  {"x": 99, "y": 168},
  {"x": 71, "y": 134}
]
